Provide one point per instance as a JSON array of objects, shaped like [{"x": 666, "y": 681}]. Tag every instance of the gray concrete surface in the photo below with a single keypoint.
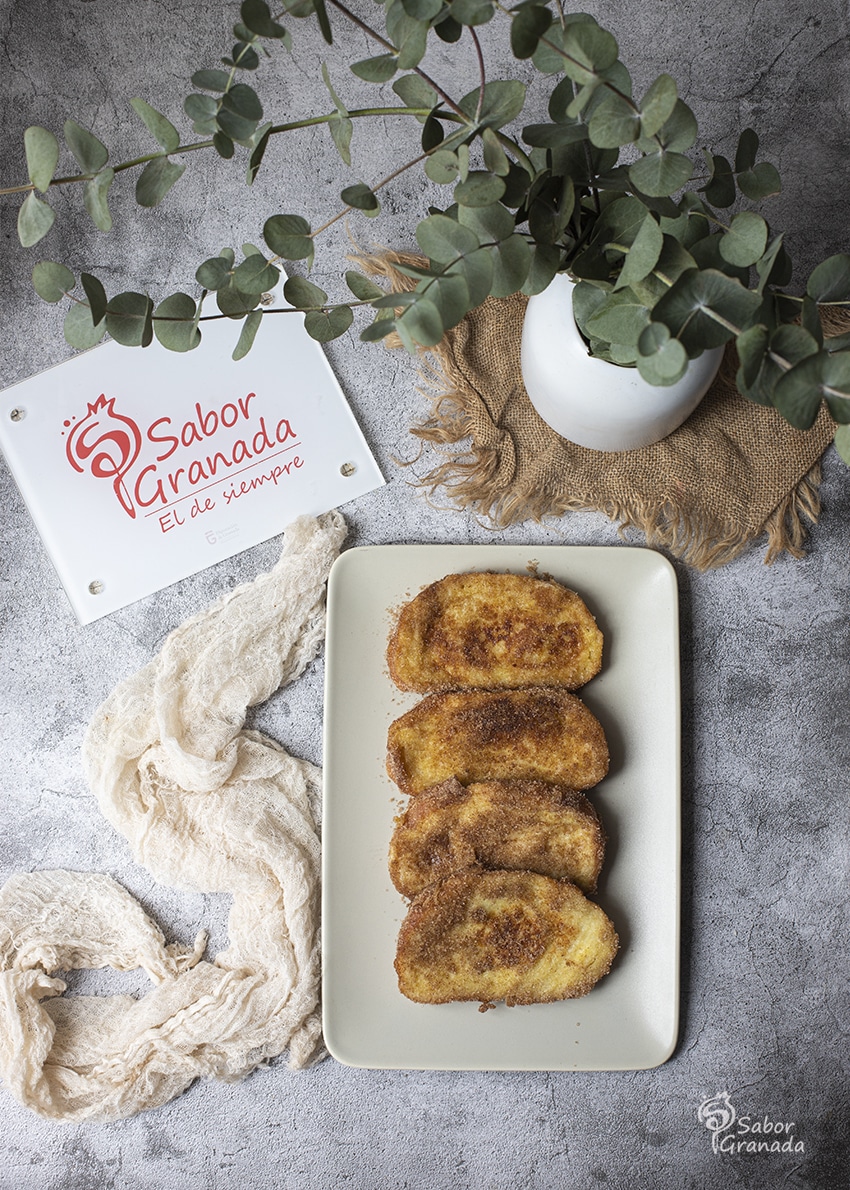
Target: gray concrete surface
[{"x": 766, "y": 661}]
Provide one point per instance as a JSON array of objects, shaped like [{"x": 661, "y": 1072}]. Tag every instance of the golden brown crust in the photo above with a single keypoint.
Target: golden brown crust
[
  {"x": 513, "y": 936},
  {"x": 541, "y": 733},
  {"x": 516, "y": 825},
  {"x": 489, "y": 631}
]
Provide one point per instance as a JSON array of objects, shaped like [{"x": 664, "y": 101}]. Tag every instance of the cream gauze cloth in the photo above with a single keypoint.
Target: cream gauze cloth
[{"x": 207, "y": 806}]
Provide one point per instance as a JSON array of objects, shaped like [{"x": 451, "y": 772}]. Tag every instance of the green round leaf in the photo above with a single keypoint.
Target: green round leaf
[
  {"x": 375, "y": 70},
  {"x": 480, "y": 189},
  {"x": 326, "y": 325},
  {"x": 90, "y": 153},
  {"x": 211, "y": 80},
  {"x": 503, "y": 101},
  {"x": 360, "y": 196},
  {"x": 235, "y": 304},
  {"x": 760, "y": 182},
  {"x": 214, "y": 273},
  {"x": 658, "y": 105},
  {"x": 443, "y": 240},
  {"x": 661, "y": 174},
  {"x": 238, "y": 128},
  {"x": 35, "y": 219},
  {"x": 156, "y": 123},
  {"x": 422, "y": 322},
  {"x": 255, "y": 275},
  {"x": 511, "y": 265},
  {"x": 245, "y": 57},
  {"x": 705, "y": 309},
  {"x": 156, "y": 179},
  {"x": 591, "y": 50},
  {"x": 200, "y": 107},
  {"x": 745, "y": 241},
  {"x": 223, "y": 145},
  {"x": 302, "y": 293},
  {"x": 128, "y": 319},
  {"x": 614, "y": 122},
  {"x": 379, "y": 329},
  {"x": 96, "y": 295},
  {"x": 830, "y": 280},
  {"x": 288, "y": 236},
  {"x": 52, "y": 281},
  {"x": 80, "y": 331},
  {"x": 748, "y": 147},
  {"x": 244, "y": 101},
  {"x": 42, "y": 153},
  {"x": 442, "y": 167},
  {"x": 174, "y": 323},
  {"x": 528, "y": 26},
  {"x": 258, "y": 18},
  {"x": 362, "y": 288},
  {"x": 661, "y": 360},
  {"x": 95, "y": 199}
]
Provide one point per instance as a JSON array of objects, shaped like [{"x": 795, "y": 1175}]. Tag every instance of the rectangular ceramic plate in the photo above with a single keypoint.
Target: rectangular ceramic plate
[{"x": 630, "y": 1019}]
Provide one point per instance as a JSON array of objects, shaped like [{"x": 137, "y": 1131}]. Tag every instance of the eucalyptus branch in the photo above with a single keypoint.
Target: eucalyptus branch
[
  {"x": 482, "y": 74},
  {"x": 378, "y": 185}
]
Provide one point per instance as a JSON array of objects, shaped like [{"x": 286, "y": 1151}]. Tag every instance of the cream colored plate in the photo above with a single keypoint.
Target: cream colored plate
[{"x": 630, "y": 1020}]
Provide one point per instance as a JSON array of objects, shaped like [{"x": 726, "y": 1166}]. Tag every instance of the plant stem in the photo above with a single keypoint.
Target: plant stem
[{"x": 481, "y": 73}]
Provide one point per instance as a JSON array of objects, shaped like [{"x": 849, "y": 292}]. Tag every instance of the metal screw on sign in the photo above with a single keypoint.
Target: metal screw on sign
[
  {"x": 95, "y": 587},
  {"x": 267, "y": 299},
  {"x": 17, "y": 415},
  {"x": 347, "y": 469}
]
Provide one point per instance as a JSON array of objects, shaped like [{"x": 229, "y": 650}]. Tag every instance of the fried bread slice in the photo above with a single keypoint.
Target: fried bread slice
[
  {"x": 516, "y": 825},
  {"x": 488, "y": 630},
  {"x": 540, "y": 733},
  {"x": 513, "y": 936}
]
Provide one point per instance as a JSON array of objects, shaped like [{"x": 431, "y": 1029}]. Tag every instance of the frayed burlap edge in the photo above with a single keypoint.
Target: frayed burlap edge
[{"x": 467, "y": 479}]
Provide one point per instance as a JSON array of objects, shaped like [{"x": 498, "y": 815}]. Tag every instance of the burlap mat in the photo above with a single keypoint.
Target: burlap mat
[{"x": 732, "y": 473}]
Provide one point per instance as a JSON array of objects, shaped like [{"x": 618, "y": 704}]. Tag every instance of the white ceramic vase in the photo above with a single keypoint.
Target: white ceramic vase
[{"x": 590, "y": 401}]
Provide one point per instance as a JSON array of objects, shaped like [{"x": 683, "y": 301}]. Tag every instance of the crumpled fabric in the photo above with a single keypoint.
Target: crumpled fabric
[{"x": 206, "y": 805}]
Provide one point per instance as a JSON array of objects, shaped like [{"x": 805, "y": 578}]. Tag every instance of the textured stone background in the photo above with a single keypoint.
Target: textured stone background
[{"x": 765, "y": 653}]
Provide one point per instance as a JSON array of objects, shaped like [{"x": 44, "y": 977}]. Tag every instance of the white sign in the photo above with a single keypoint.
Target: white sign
[{"x": 142, "y": 466}]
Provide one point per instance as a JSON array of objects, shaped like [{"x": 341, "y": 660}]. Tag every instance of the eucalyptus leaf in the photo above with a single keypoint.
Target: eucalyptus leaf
[
  {"x": 232, "y": 302},
  {"x": 42, "y": 153},
  {"x": 414, "y": 92},
  {"x": 243, "y": 101},
  {"x": 80, "y": 331},
  {"x": 360, "y": 196},
  {"x": 258, "y": 18},
  {"x": 720, "y": 190},
  {"x": 799, "y": 392},
  {"x": 161, "y": 128},
  {"x": 362, "y": 288},
  {"x": 480, "y": 189},
  {"x": 760, "y": 182},
  {"x": 35, "y": 220},
  {"x": 247, "y": 335},
  {"x": 379, "y": 329},
  {"x": 752, "y": 347},
  {"x": 471, "y": 12},
  {"x": 341, "y": 130},
  {"x": 255, "y": 275},
  {"x": 443, "y": 239},
  {"x": 545, "y": 263},
  {"x": 495, "y": 158},
  {"x": 90, "y": 153},
  {"x": 590, "y": 50},
  {"x": 706, "y": 308},
  {"x": 214, "y": 273},
  {"x": 830, "y": 280},
  {"x": 261, "y": 140},
  {"x": 211, "y": 80},
  {"x": 95, "y": 199},
  {"x": 529, "y": 24},
  {"x": 238, "y": 128},
  {"x": 129, "y": 319},
  {"x": 620, "y": 318},
  {"x": 288, "y": 236},
  {"x": 662, "y": 173},
  {"x": 174, "y": 323},
  {"x": 490, "y": 223},
  {"x": 200, "y": 107},
  {"x": 376, "y": 70},
  {"x": 643, "y": 255},
  {"x": 223, "y": 145},
  {"x": 52, "y": 281},
  {"x": 553, "y": 136},
  {"x": 661, "y": 359},
  {"x": 442, "y": 166},
  {"x": 477, "y": 270},
  {"x": 96, "y": 296},
  {"x": 658, "y": 105},
  {"x": 614, "y": 122},
  {"x": 323, "y": 326},
  {"x": 502, "y": 102},
  {"x": 745, "y": 241},
  {"x": 748, "y": 147},
  {"x": 422, "y": 10},
  {"x": 303, "y": 294},
  {"x": 422, "y": 322},
  {"x": 450, "y": 295},
  {"x": 156, "y": 179},
  {"x": 511, "y": 265},
  {"x": 244, "y": 57}
]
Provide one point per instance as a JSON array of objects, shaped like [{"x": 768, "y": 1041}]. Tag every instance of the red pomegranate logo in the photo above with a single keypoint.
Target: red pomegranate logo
[{"x": 107, "y": 444}]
